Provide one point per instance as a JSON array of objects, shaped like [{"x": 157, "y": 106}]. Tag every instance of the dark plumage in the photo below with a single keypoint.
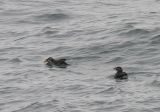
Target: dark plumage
[
  {"x": 120, "y": 74},
  {"x": 59, "y": 62}
]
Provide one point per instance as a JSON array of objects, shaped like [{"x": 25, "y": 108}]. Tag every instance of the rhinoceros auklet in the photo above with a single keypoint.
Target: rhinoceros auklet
[
  {"x": 59, "y": 62},
  {"x": 120, "y": 74}
]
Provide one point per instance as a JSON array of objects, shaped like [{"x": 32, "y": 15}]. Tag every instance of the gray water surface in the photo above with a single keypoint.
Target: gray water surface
[{"x": 94, "y": 36}]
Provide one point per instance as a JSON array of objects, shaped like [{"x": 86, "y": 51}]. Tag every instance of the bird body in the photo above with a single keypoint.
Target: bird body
[
  {"x": 120, "y": 74},
  {"x": 59, "y": 62}
]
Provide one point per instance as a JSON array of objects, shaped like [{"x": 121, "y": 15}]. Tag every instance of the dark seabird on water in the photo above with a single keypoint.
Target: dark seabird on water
[
  {"x": 120, "y": 74},
  {"x": 59, "y": 62}
]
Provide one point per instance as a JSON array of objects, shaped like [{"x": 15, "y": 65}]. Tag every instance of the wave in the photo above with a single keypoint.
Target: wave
[
  {"x": 135, "y": 32},
  {"x": 41, "y": 18},
  {"x": 155, "y": 39},
  {"x": 29, "y": 107},
  {"x": 115, "y": 59},
  {"x": 52, "y": 17},
  {"x": 38, "y": 106},
  {"x": 7, "y": 49},
  {"x": 57, "y": 49},
  {"x": 49, "y": 31},
  {"x": 108, "y": 90},
  {"x": 16, "y": 60},
  {"x": 7, "y": 90}
]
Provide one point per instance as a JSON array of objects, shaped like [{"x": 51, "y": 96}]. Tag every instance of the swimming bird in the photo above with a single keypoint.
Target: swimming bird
[
  {"x": 120, "y": 74},
  {"x": 59, "y": 62}
]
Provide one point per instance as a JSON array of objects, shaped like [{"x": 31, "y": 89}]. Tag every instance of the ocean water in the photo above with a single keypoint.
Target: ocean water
[{"x": 94, "y": 36}]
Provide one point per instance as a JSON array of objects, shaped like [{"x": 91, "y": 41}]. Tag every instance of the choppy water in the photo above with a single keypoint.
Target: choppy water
[{"x": 95, "y": 36}]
